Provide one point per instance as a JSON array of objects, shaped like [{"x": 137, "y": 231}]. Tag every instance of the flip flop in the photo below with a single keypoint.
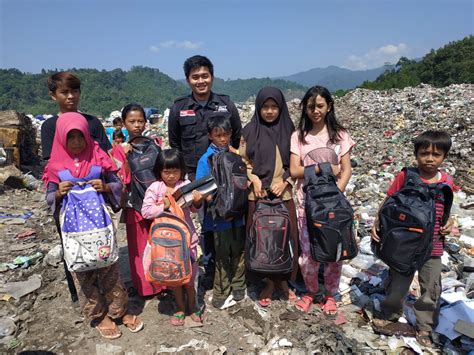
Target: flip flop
[
  {"x": 264, "y": 302},
  {"x": 109, "y": 333},
  {"x": 305, "y": 304},
  {"x": 330, "y": 306},
  {"x": 135, "y": 325},
  {"x": 177, "y": 319},
  {"x": 197, "y": 316}
]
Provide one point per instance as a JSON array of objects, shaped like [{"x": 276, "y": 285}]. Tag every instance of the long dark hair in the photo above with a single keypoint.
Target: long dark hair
[{"x": 305, "y": 124}]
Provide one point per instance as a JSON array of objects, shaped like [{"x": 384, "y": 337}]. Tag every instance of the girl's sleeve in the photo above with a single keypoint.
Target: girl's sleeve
[
  {"x": 294, "y": 144},
  {"x": 246, "y": 160},
  {"x": 51, "y": 195},
  {"x": 116, "y": 188},
  {"x": 346, "y": 144},
  {"x": 153, "y": 203}
]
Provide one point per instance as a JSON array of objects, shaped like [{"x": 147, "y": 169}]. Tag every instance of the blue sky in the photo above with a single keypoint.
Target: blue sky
[{"x": 244, "y": 39}]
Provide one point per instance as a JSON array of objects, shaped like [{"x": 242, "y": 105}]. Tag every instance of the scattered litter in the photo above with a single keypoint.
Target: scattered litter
[{"x": 21, "y": 288}]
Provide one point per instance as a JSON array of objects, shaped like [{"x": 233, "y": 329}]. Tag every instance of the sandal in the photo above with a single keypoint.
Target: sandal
[
  {"x": 177, "y": 319},
  {"x": 330, "y": 307},
  {"x": 135, "y": 325},
  {"x": 109, "y": 333},
  {"x": 305, "y": 303},
  {"x": 197, "y": 316},
  {"x": 264, "y": 302}
]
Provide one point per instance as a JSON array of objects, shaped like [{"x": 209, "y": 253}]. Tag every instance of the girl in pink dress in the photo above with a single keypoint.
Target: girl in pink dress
[
  {"x": 170, "y": 170},
  {"x": 319, "y": 139}
]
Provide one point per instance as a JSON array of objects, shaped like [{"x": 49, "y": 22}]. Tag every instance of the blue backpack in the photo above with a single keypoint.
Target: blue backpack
[{"x": 87, "y": 230}]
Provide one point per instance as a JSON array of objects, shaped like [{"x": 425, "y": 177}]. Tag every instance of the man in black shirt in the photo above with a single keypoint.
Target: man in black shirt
[
  {"x": 65, "y": 89},
  {"x": 187, "y": 130}
]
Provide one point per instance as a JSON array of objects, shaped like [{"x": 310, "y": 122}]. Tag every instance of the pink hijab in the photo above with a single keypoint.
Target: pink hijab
[{"x": 79, "y": 165}]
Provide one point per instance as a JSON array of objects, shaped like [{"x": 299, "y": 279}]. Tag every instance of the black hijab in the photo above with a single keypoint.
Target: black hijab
[{"x": 262, "y": 137}]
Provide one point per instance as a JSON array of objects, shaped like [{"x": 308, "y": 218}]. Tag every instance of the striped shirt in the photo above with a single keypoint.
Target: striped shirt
[{"x": 438, "y": 239}]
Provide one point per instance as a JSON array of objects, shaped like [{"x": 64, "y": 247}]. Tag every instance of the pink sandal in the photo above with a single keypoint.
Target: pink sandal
[
  {"x": 330, "y": 306},
  {"x": 305, "y": 303}
]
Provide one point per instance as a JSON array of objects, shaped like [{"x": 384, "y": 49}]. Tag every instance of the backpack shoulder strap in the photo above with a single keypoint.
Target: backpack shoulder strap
[
  {"x": 309, "y": 173},
  {"x": 448, "y": 197},
  {"x": 325, "y": 169},
  {"x": 65, "y": 175},
  {"x": 412, "y": 177}
]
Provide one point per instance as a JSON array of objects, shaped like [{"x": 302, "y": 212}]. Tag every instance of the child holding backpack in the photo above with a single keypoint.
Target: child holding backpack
[
  {"x": 133, "y": 116},
  {"x": 229, "y": 236},
  {"x": 76, "y": 160},
  {"x": 265, "y": 147},
  {"x": 320, "y": 138},
  {"x": 170, "y": 171},
  {"x": 431, "y": 148}
]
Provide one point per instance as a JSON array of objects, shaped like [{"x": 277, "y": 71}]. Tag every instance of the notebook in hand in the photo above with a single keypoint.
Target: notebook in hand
[{"x": 184, "y": 195}]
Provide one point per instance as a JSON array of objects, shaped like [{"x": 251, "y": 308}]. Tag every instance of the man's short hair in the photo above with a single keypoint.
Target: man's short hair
[
  {"x": 66, "y": 78},
  {"x": 197, "y": 61}
]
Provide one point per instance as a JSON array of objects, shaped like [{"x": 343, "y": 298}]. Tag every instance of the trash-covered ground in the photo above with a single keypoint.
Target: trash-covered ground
[{"x": 36, "y": 312}]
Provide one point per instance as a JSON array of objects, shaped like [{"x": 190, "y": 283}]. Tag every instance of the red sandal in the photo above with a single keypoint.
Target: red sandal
[
  {"x": 305, "y": 303},
  {"x": 330, "y": 306}
]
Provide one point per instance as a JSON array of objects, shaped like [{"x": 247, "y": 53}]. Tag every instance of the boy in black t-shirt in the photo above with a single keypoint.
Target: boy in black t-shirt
[{"x": 65, "y": 89}]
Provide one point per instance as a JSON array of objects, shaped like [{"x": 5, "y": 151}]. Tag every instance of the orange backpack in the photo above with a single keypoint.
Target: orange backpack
[{"x": 167, "y": 256}]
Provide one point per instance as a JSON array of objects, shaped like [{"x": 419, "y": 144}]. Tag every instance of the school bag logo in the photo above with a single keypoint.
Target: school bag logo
[
  {"x": 230, "y": 176},
  {"x": 407, "y": 220},
  {"x": 167, "y": 255},
  {"x": 329, "y": 217},
  {"x": 87, "y": 230},
  {"x": 142, "y": 159},
  {"x": 268, "y": 245}
]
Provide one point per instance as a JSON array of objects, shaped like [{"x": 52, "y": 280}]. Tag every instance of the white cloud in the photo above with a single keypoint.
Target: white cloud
[
  {"x": 377, "y": 57},
  {"x": 175, "y": 45}
]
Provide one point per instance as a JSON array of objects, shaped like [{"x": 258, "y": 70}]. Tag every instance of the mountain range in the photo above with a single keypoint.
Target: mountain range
[{"x": 335, "y": 78}]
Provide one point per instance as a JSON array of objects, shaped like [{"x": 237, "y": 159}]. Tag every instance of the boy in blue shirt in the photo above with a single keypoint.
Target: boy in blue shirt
[{"x": 229, "y": 236}]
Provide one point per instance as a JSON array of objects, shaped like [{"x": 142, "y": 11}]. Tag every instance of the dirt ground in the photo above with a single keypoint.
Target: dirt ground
[{"x": 46, "y": 320}]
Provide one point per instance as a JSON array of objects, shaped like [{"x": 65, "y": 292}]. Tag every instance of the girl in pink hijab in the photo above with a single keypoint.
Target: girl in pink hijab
[{"x": 102, "y": 295}]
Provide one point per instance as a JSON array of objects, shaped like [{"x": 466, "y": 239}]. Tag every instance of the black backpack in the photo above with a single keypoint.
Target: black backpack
[
  {"x": 142, "y": 159},
  {"x": 268, "y": 245},
  {"x": 329, "y": 217},
  {"x": 230, "y": 176},
  {"x": 407, "y": 220}
]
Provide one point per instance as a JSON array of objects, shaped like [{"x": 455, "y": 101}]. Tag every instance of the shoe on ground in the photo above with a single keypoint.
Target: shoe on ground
[
  {"x": 238, "y": 295},
  {"x": 217, "y": 302}
]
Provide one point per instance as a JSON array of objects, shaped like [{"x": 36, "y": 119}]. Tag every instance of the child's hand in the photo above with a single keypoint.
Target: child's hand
[
  {"x": 166, "y": 203},
  {"x": 64, "y": 187},
  {"x": 209, "y": 198},
  {"x": 197, "y": 197},
  {"x": 277, "y": 189},
  {"x": 446, "y": 229},
  {"x": 98, "y": 185},
  {"x": 127, "y": 147},
  {"x": 375, "y": 230},
  {"x": 257, "y": 188}
]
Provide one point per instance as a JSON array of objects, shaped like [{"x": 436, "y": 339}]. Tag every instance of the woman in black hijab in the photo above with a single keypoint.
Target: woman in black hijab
[{"x": 265, "y": 148}]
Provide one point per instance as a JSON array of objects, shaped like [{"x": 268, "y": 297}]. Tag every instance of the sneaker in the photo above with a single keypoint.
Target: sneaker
[
  {"x": 238, "y": 295},
  {"x": 217, "y": 303}
]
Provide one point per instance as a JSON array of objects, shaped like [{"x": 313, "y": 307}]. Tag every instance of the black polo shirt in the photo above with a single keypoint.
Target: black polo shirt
[{"x": 187, "y": 130}]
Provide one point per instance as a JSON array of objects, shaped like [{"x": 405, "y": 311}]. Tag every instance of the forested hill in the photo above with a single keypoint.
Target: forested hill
[
  {"x": 451, "y": 64},
  {"x": 105, "y": 91}
]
